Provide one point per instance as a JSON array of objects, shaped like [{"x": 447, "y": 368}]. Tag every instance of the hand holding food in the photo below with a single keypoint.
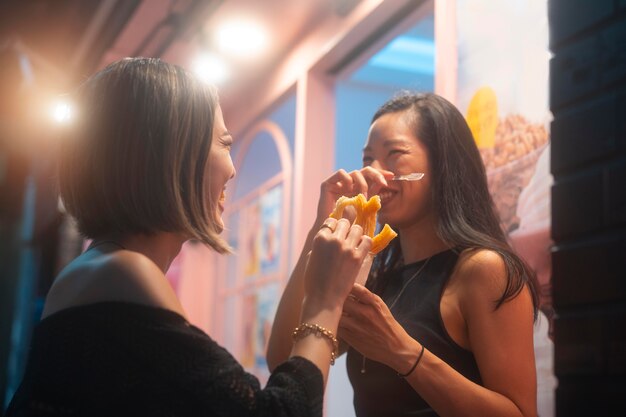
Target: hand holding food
[
  {"x": 366, "y": 218},
  {"x": 367, "y": 180},
  {"x": 336, "y": 256}
]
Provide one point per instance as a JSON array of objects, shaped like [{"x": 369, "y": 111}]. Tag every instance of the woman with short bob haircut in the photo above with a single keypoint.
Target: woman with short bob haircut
[
  {"x": 143, "y": 170},
  {"x": 130, "y": 174}
]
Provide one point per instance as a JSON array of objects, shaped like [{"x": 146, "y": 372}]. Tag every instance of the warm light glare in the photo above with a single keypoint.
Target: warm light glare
[
  {"x": 241, "y": 38},
  {"x": 210, "y": 68},
  {"x": 62, "y": 112}
]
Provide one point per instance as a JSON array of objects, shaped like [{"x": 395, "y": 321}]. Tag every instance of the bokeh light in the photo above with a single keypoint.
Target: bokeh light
[
  {"x": 210, "y": 68},
  {"x": 241, "y": 38},
  {"x": 62, "y": 112}
]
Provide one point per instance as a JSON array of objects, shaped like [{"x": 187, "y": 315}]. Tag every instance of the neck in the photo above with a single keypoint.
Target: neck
[
  {"x": 420, "y": 241},
  {"x": 161, "y": 247}
]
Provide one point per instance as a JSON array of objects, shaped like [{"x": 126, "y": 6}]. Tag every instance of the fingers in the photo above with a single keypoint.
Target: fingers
[
  {"x": 358, "y": 305},
  {"x": 359, "y": 183},
  {"x": 342, "y": 228},
  {"x": 367, "y": 180},
  {"x": 328, "y": 226},
  {"x": 364, "y": 296},
  {"x": 339, "y": 182},
  {"x": 338, "y": 176},
  {"x": 351, "y": 307},
  {"x": 376, "y": 178},
  {"x": 364, "y": 246},
  {"x": 355, "y": 236},
  {"x": 346, "y": 324},
  {"x": 344, "y": 183},
  {"x": 344, "y": 331},
  {"x": 376, "y": 175},
  {"x": 352, "y": 234},
  {"x": 360, "y": 310},
  {"x": 359, "y": 241},
  {"x": 351, "y": 330}
]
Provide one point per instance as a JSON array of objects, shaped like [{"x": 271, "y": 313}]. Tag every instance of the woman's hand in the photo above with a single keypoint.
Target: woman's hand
[
  {"x": 367, "y": 181},
  {"x": 324, "y": 273},
  {"x": 338, "y": 249},
  {"x": 335, "y": 259},
  {"x": 368, "y": 326}
]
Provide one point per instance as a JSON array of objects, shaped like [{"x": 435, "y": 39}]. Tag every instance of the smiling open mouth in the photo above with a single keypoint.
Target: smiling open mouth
[{"x": 386, "y": 195}]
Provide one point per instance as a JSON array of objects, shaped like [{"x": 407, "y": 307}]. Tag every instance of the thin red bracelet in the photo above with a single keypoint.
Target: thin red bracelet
[{"x": 419, "y": 358}]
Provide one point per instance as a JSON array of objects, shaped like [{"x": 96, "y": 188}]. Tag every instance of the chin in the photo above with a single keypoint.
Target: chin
[
  {"x": 390, "y": 220},
  {"x": 383, "y": 218}
]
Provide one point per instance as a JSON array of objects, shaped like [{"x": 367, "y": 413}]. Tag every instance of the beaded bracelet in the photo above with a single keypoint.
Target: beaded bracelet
[
  {"x": 305, "y": 329},
  {"x": 419, "y": 358}
]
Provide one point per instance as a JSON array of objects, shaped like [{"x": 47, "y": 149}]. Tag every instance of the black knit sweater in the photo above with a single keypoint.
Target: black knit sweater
[{"x": 124, "y": 359}]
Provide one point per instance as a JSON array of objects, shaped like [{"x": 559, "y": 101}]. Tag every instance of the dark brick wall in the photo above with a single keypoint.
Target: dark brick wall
[{"x": 588, "y": 100}]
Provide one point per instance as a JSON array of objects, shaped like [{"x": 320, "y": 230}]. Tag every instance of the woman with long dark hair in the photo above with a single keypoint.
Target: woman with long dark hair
[{"x": 445, "y": 325}]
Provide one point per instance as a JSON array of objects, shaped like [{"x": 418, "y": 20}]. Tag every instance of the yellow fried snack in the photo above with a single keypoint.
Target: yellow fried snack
[{"x": 366, "y": 217}]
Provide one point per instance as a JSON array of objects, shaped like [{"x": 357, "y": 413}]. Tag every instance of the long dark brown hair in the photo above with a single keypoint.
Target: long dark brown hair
[{"x": 465, "y": 212}]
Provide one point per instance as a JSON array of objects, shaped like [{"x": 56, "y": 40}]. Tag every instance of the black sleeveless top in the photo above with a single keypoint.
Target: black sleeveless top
[{"x": 380, "y": 391}]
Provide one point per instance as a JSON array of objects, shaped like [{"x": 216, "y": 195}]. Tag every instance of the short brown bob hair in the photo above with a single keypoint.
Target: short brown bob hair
[{"x": 134, "y": 160}]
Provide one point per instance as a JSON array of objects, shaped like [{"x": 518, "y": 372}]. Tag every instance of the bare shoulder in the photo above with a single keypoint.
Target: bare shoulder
[
  {"x": 483, "y": 265},
  {"x": 481, "y": 277},
  {"x": 480, "y": 274},
  {"x": 124, "y": 276}
]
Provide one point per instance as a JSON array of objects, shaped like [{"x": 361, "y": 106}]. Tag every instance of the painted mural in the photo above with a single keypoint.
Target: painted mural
[{"x": 503, "y": 89}]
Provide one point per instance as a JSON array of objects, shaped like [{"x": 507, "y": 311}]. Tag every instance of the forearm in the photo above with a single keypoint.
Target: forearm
[
  {"x": 315, "y": 348},
  {"x": 288, "y": 312},
  {"x": 449, "y": 393}
]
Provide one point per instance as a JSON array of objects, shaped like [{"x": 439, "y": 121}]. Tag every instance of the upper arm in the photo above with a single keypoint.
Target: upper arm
[{"x": 501, "y": 339}]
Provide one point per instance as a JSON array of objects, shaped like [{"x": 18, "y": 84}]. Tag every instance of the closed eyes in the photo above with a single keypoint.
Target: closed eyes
[{"x": 367, "y": 160}]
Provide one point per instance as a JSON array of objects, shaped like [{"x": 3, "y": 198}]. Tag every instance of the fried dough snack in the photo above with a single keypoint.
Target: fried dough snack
[{"x": 366, "y": 218}]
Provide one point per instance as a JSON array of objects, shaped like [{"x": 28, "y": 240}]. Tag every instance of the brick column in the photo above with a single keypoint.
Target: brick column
[{"x": 588, "y": 100}]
